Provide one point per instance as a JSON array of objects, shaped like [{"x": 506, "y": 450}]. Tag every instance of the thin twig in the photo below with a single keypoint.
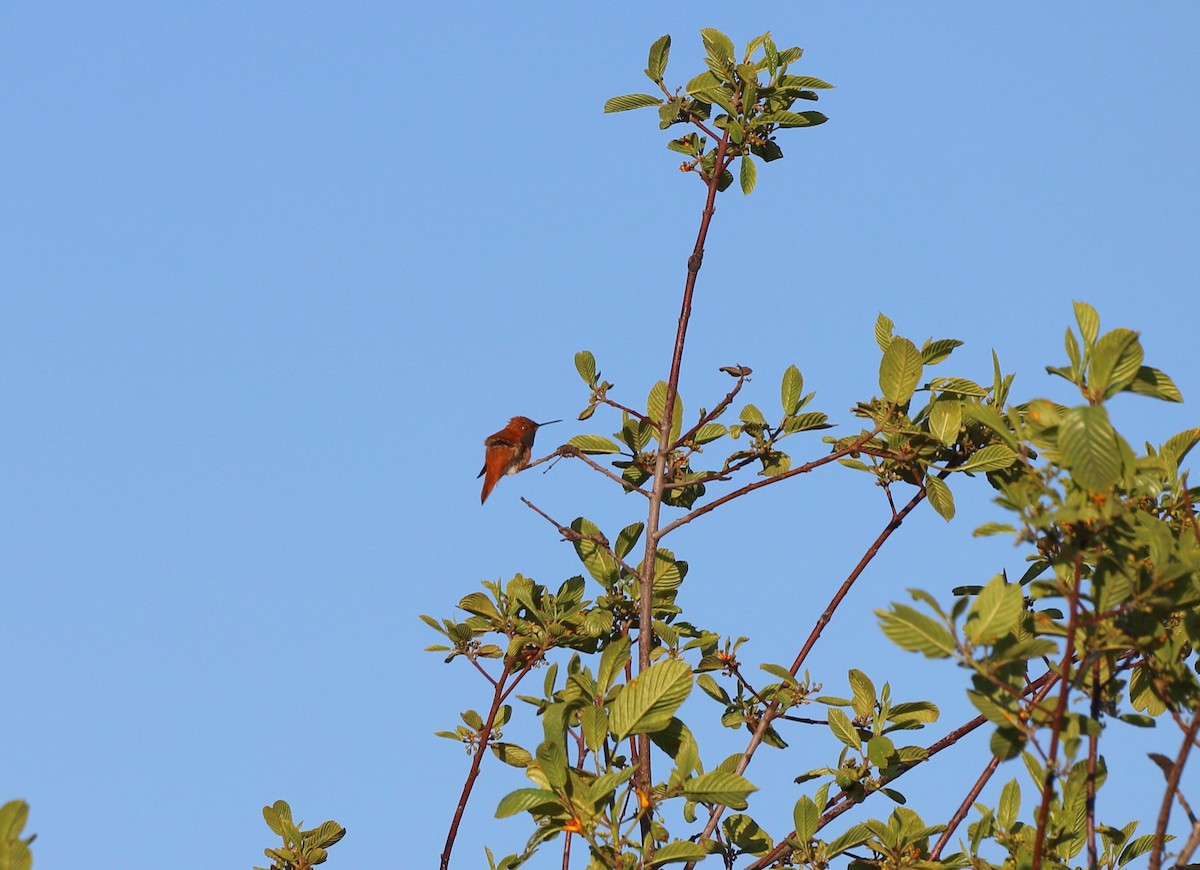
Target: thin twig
[
  {"x": 964, "y": 807},
  {"x": 570, "y": 450},
  {"x": 569, "y": 534},
  {"x": 498, "y": 696},
  {"x": 1092, "y": 758}
]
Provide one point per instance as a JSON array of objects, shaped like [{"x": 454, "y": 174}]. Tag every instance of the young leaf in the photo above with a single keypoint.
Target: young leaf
[
  {"x": 631, "y": 101},
  {"x": 749, "y": 174},
  {"x": 912, "y": 630},
  {"x": 843, "y": 729},
  {"x": 585, "y": 364},
  {"x": 791, "y": 389},
  {"x": 900, "y": 370},
  {"x": 940, "y": 496},
  {"x": 1089, "y": 322},
  {"x": 883, "y": 331},
  {"x": 995, "y": 612},
  {"x": 594, "y": 444},
  {"x": 656, "y": 66}
]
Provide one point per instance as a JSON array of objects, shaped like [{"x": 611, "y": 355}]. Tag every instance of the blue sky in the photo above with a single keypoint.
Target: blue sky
[{"x": 273, "y": 271}]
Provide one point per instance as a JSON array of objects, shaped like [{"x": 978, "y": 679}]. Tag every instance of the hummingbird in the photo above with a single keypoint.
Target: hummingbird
[{"x": 508, "y": 451}]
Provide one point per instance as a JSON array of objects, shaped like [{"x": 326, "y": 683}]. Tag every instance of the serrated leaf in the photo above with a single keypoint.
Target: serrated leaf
[
  {"x": 853, "y": 836},
  {"x": 631, "y": 101},
  {"x": 809, "y": 82},
  {"x": 656, "y": 404},
  {"x": 940, "y": 497},
  {"x": 650, "y": 700},
  {"x": 656, "y": 65},
  {"x": 585, "y": 364},
  {"x": 1088, "y": 447},
  {"x": 900, "y": 370},
  {"x": 991, "y": 458},
  {"x": 995, "y": 612},
  {"x": 748, "y": 174},
  {"x": 594, "y": 444}
]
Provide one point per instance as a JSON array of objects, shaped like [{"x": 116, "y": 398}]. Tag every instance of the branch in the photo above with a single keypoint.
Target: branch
[
  {"x": 569, "y": 534},
  {"x": 1164, "y": 813},
  {"x": 769, "y": 714},
  {"x": 738, "y": 493},
  {"x": 570, "y": 450},
  {"x": 964, "y": 807},
  {"x": 498, "y": 695}
]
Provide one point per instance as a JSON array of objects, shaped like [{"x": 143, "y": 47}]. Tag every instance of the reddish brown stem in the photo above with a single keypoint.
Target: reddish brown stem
[
  {"x": 1164, "y": 812},
  {"x": 963, "y": 808},
  {"x": 499, "y": 693},
  {"x": 1056, "y": 723}
]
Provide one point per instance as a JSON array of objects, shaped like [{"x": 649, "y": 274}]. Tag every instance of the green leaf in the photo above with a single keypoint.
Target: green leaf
[
  {"x": 909, "y": 629},
  {"x": 719, "y": 787},
  {"x": 880, "y": 750},
  {"x": 612, "y": 663},
  {"x": 594, "y": 444},
  {"x": 991, "y": 458},
  {"x": 631, "y": 101},
  {"x": 791, "y": 389},
  {"x": 718, "y": 45},
  {"x": 1009, "y": 806},
  {"x": 656, "y": 404},
  {"x": 585, "y": 364},
  {"x": 864, "y": 693},
  {"x": 650, "y": 700},
  {"x": 805, "y": 817},
  {"x": 945, "y": 420},
  {"x": 785, "y": 119},
  {"x": 747, "y": 835},
  {"x": 843, "y": 729},
  {"x": 527, "y": 799},
  {"x": 808, "y": 82},
  {"x": 593, "y": 721},
  {"x": 940, "y": 496},
  {"x": 806, "y": 421},
  {"x": 995, "y": 612},
  {"x": 900, "y": 370},
  {"x": 855, "y": 835},
  {"x": 1115, "y": 362},
  {"x": 751, "y": 415},
  {"x": 656, "y": 66},
  {"x": 883, "y": 331},
  {"x": 1151, "y": 382},
  {"x": 748, "y": 174},
  {"x": 1089, "y": 322},
  {"x": 935, "y": 351},
  {"x": 677, "y": 852},
  {"x": 994, "y": 528},
  {"x": 511, "y": 753},
  {"x": 1088, "y": 446},
  {"x": 990, "y": 418},
  {"x": 627, "y": 538},
  {"x": 598, "y": 561},
  {"x": 710, "y": 432}
]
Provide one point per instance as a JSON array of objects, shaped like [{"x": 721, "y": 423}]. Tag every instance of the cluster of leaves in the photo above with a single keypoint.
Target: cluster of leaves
[
  {"x": 755, "y": 95},
  {"x": 301, "y": 849},
  {"x": 14, "y": 849},
  {"x": 1107, "y": 607}
]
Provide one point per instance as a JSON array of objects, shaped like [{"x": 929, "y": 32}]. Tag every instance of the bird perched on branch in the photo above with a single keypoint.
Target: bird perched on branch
[{"x": 508, "y": 451}]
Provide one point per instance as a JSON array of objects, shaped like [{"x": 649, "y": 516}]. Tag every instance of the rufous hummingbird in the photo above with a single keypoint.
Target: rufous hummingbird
[{"x": 508, "y": 451}]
